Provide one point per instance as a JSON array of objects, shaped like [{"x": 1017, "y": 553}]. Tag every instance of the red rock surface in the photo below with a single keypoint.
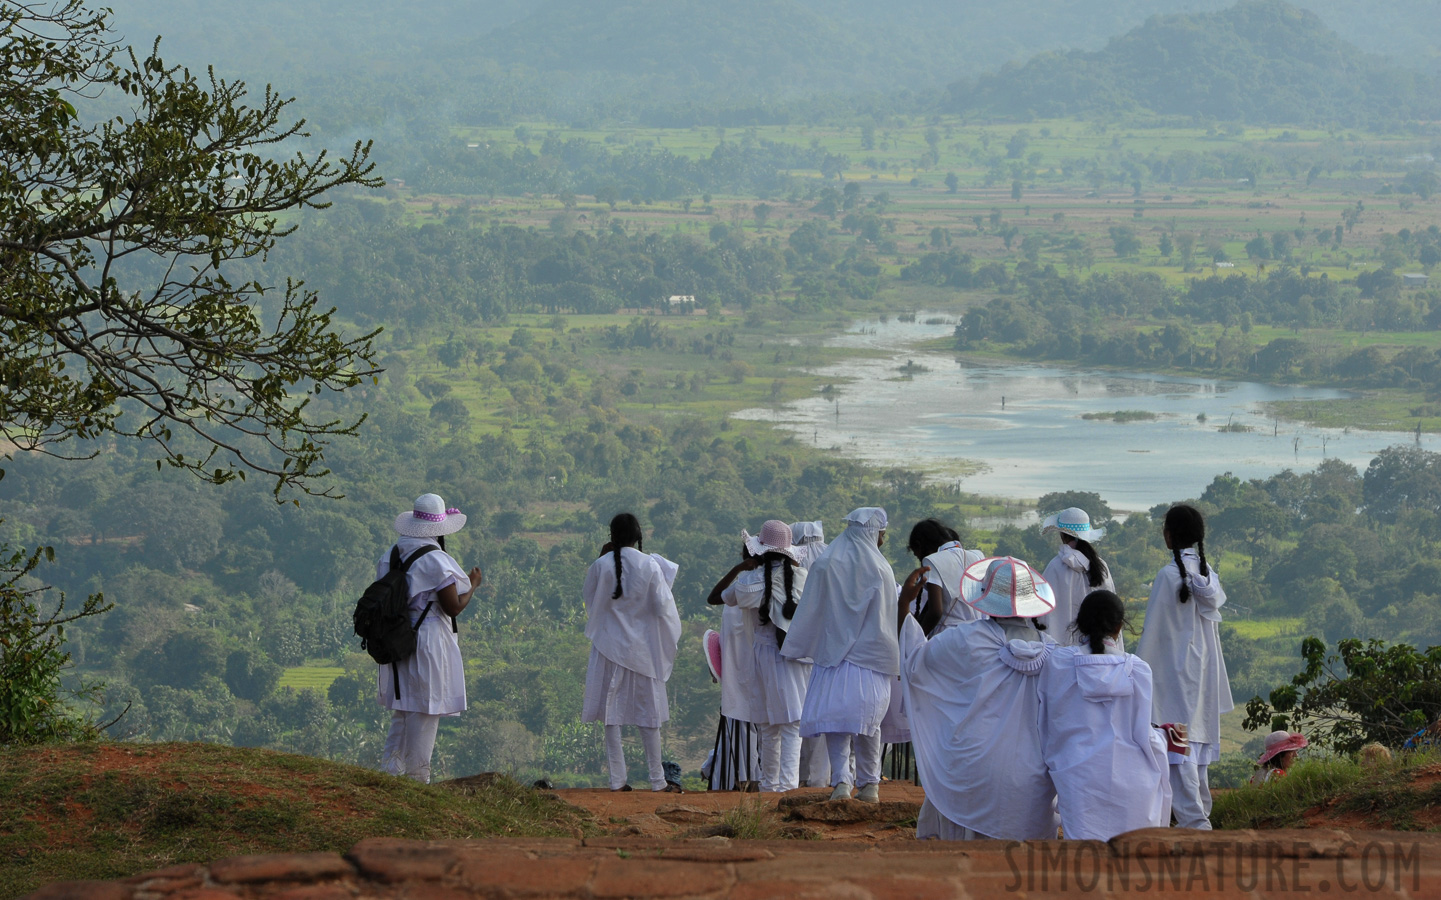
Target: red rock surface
[{"x": 1158, "y": 861}]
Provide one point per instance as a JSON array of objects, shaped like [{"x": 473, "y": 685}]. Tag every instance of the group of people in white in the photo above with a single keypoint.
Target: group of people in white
[{"x": 1024, "y": 709}]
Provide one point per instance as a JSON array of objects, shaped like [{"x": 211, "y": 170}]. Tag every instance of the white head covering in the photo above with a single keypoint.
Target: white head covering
[
  {"x": 847, "y": 611},
  {"x": 430, "y": 518},
  {"x": 808, "y": 532},
  {"x": 1074, "y": 521}
]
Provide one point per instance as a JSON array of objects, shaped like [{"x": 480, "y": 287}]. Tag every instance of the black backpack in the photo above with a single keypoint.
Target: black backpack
[{"x": 382, "y": 615}]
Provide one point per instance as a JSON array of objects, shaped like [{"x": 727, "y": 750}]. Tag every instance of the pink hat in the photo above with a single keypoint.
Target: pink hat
[
  {"x": 1004, "y": 586},
  {"x": 775, "y": 537},
  {"x": 710, "y": 644},
  {"x": 1278, "y": 742}
]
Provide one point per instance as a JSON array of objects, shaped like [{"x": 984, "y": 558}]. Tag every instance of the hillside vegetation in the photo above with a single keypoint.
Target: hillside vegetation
[
  {"x": 1258, "y": 61},
  {"x": 111, "y": 810}
]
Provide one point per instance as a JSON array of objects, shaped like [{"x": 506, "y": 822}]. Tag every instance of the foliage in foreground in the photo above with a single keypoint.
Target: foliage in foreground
[
  {"x": 1363, "y": 692},
  {"x": 1384, "y": 795},
  {"x": 102, "y": 810}
]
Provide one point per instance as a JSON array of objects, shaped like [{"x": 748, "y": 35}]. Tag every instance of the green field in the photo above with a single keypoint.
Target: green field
[{"x": 314, "y": 677}]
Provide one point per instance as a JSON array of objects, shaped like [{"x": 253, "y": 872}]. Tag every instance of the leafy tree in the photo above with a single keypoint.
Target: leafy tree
[
  {"x": 33, "y": 705},
  {"x": 952, "y": 183},
  {"x": 188, "y": 183},
  {"x": 1124, "y": 240},
  {"x": 1365, "y": 691}
]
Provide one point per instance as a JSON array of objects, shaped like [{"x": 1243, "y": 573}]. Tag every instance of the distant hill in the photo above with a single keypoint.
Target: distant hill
[{"x": 1258, "y": 61}]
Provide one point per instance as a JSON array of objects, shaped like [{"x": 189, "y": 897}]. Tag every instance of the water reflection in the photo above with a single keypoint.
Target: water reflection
[{"x": 1016, "y": 430}]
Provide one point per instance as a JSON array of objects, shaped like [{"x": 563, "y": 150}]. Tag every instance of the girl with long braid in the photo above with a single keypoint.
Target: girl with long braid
[
  {"x": 766, "y": 587},
  {"x": 1108, "y": 764},
  {"x": 634, "y": 628},
  {"x": 1181, "y": 642},
  {"x": 1075, "y": 571}
]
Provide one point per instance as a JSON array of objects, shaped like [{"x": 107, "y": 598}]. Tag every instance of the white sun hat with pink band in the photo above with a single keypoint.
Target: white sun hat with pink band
[
  {"x": 775, "y": 537},
  {"x": 1003, "y": 586},
  {"x": 429, "y": 518}
]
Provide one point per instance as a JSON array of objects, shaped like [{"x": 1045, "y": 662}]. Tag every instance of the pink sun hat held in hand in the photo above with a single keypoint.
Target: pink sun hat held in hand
[
  {"x": 430, "y": 518},
  {"x": 1004, "y": 587},
  {"x": 1278, "y": 742},
  {"x": 710, "y": 645}
]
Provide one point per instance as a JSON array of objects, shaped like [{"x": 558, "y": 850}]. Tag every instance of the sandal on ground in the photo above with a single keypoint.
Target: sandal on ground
[
  {"x": 624, "y": 787},
  {"x": 671, "y": 788}
]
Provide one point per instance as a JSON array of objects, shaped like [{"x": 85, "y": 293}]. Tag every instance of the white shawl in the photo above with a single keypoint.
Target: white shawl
[
  {"x": 1181, "y": 642},
  {"x": 1109, "y": 765},
  {"x": 974, "y": 706},
  {"x": 640, "y": 629},
  {"x": 848, "y": 609},
  {"x": 1069, "y": 576}
]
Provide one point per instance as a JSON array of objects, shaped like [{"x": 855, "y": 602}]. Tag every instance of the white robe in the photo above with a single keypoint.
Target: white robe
[
  {"x": 974, "y": 705},
  {"x": 633, "y": 640},
  {"x": 848, "y": 610},
  {"x": 432, "y": 680},
  {"x": 1069, "y": 576},
  {"x": 1181, "y": 643},
  {"x": 776, "y": 688},
  {"x": 946, "y": 566},
  {"x": 1108, "y": 764},
  {"x": 810, "y": 542}
]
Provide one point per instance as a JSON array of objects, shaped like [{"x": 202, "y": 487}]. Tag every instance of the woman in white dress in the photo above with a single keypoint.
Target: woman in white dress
[
  {"x": 974, "y": 704},
  {"x": 1181, "y": 642},
  {"x": 765, "y": 587},
  {"x": 846, "y": 624},
  {"x": 634, "y": 628},
  {"x": 933, "y": 590},
  {"x": 809, "y": 541},
  {"x": 1075, "y": 571},
  {"x": 1108, "y": 764},
  {"x": 431, "y": 682}
]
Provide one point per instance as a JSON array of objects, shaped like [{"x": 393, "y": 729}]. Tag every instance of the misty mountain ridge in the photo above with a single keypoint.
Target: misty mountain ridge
[{"x": 1260, "y": 61}]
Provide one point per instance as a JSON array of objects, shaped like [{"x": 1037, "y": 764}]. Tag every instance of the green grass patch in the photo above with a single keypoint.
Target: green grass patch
[
  {"x": 1321, "y": 791},
  {"x": 112, "y": 810},
  {"x": 1122, "y": 416},
  {"x": 317, "y": 677},
  {"x": 1267, "y": 628}
]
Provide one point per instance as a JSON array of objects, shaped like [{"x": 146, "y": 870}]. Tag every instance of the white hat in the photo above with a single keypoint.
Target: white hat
[
  {"x": 429, "y": 518},
  {"x": 1004, "y": 586},
  {"x": 868, "y": 517},
  {"x": 1075, "y": 522},
  {"x": 775, "y": 537},
  {"x": 807, "y": 532}
]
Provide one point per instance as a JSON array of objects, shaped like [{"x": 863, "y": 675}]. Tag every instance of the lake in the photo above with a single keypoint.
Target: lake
[{"x": 1015, "y": 430}]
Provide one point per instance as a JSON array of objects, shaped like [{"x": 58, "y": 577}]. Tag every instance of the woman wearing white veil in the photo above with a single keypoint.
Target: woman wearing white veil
[{"x": 846, "y": 624}]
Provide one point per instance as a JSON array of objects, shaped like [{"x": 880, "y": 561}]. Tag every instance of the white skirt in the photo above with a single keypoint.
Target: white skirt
[
  {"x": 615, "y": 695},
  {"x": 783, "y": 682},
  {"x": 845, "y": 699},
  {"x": 896, "y": 727},
  {"x": 432, "y": 680}
]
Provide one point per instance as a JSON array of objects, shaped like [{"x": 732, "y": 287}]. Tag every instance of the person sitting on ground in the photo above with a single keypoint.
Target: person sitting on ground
[
  {"x": 1279, "y": 755},
  {"x": 975, "y": 711}
]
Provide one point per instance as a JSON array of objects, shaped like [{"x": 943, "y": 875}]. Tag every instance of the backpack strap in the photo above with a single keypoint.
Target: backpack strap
[
  {"x": 395, "y": 555},
  {"x": 395, "y": 674}
]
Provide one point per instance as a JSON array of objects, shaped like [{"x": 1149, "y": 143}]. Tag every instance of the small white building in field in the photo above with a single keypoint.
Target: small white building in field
[
  {"x": 678, "y": 299},
  {"x": 1414, "y": 280}
]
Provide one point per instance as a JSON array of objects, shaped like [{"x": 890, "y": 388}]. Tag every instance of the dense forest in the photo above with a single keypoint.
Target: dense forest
[{"x": 1258, "y": 61}]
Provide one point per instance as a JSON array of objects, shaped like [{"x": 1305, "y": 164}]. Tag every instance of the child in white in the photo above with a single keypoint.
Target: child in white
[
  {"x": 1107, "y": 762},
  {"x": 432, "y": 680},
  {"x": 933, "y": 589},
  {"x": 766, "y": 586},
  {"x": 634, "y": 628},
  {"x": 1075, "y": 571},
  {"x": 974, "y": 706},
  {"x": 846, "y": 624},
  {"x": 809, "y": 542},
  {"x": 1181, "y": 642}
]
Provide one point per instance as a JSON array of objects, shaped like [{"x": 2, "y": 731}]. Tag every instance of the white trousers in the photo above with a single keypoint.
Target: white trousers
[
  {"x": 781, "y": 756},
  {"x": 615, "y": 756},
  {"x": 1191, "y": 795},
  {"x": 409, "y": 745},
  {"x": 931, "y": 825},
  {"x": 867, "y": 758}
]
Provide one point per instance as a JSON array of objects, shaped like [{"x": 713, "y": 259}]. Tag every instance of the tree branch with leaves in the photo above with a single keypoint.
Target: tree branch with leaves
[{"x": 116, "y": 239}]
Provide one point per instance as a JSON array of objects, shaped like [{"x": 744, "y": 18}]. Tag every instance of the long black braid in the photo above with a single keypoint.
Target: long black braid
[
  {"x": 624, "y": 532},
  {"x": 1096, "y": 573},
  {"x": 788, "y": 609},
  {"x": 1187, "y": 528}
]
